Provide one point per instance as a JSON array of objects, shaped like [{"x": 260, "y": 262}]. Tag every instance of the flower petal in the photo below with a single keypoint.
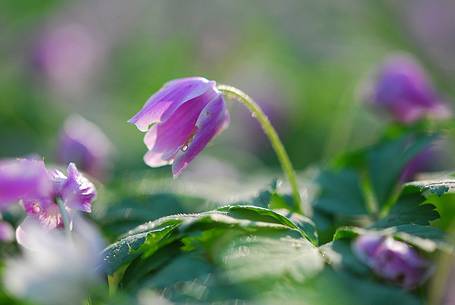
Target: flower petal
[
  {"x": 154, "y": 159},
  {"x": 23, "y": 179},
  {"x": 45, "y": 212},
  {"x": 165, "y": 139},
  {"x": 170, "y": 97},
  {"x": 77, "y": 191},
  {"x": 213, "y": 119}
]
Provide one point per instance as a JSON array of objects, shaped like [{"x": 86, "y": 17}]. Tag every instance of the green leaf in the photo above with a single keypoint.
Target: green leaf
[
  {"x": 340, "y": 256},
  {"x": 340, "y": 193},
  {"x": 120, "y": 216},
  {"x": 261, "y": 258},
  {"x": 440, "y": 193},
  {"x": 130, "y": 246},
  {"x": 149, "y": 237},
  {"x": 409, "y": 209},
  {"x": 303, "y": 223},
  {"x": 341, "y": 288},
  {"x": 437, "y": 187},
  {"x": 387, "y": 160}
]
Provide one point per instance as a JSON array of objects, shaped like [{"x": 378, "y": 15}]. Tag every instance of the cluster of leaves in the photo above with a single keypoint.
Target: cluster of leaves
[{"x": 262, "y": 251}]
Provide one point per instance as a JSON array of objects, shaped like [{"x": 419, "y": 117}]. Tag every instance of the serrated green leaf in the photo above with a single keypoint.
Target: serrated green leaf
[
  {"x": 409, "y": 209},
  {"x": 431, "y": 187}
]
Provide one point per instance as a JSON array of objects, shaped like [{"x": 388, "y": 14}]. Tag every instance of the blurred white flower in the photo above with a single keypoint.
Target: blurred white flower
[
  {"x": 6, "y": 231},
  {"x": 55, "y": 269}
]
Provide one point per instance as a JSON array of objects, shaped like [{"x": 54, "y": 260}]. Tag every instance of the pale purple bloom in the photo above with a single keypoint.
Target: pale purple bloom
[
  {"x": 180, "y": 120},
  {"x": 67, "y": 55},
  {"x": 85, "y": 144},
  {"x": 23, "y": 178},
  {"x": 6, "y": 231},
  {"x": 76, "y": 192},
  {"x": 402, "y": 89},
  {"x": 392, "y": 260}
]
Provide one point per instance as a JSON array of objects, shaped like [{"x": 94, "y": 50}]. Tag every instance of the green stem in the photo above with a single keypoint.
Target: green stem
[
  {"x": 65, "y": 216},
  {"x": 270, "y": 132}
]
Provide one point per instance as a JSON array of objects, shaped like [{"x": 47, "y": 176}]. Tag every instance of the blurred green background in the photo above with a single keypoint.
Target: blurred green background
[{"x": 304, "y": 61}]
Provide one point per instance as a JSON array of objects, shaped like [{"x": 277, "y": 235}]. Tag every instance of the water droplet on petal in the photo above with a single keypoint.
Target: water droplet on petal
[{"x": 184, "y": 148}]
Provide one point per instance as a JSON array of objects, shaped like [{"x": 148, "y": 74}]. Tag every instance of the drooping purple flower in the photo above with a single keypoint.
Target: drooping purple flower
[
  {"x": 180, "y": 120},
  {"x": 402, "y": 89},
  {"x": 392, "y": 260},
  {"x": 23, "y": 178},
  {"x": 85, "y": 144}
]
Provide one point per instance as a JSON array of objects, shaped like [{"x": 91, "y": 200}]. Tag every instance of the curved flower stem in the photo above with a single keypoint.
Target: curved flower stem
[
  {"x": 65, "y": 216},
  {"x": 270, "y": 132}
]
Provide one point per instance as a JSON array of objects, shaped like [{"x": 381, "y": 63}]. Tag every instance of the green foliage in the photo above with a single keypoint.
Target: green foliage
[
  {"x": 386, "y": 161},
  {"x": 343, "y": 186},
  {"x": 118, "y": 217},
  {"x": 208, "y": 255},
  {"x": 363, "y": 185}
]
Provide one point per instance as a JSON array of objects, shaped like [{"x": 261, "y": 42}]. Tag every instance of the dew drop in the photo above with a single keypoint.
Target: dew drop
[
  {"x": 184, "y": 148},
  {"x": 253, "y": 115}
]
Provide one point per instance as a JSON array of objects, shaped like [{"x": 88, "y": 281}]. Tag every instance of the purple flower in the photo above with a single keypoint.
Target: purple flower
[
  {"x": 392, "y": 260},
  {"x": 403, "y": 91},
  {"x": 68, "y": 55},
  {"x": 76, "y": 192},
  {"x": 180, "y": 120},
  {"x": 83, "y": 143},
  {"x": 6, "y": 231},
  {"x": 22, "y": 178},
  {"x": 38, "y": 189}
]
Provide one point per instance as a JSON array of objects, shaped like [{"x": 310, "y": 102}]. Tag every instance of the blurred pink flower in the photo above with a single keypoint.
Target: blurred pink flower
[
  {"x": 392, "y": 260},
  {"x": 76, "y": 192},
  {"x": 85, "y": 144},
  {"x": 402, "y": 89},
  {"x": 39, "y": 189},
  {"x": 68, "y": 55}
]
